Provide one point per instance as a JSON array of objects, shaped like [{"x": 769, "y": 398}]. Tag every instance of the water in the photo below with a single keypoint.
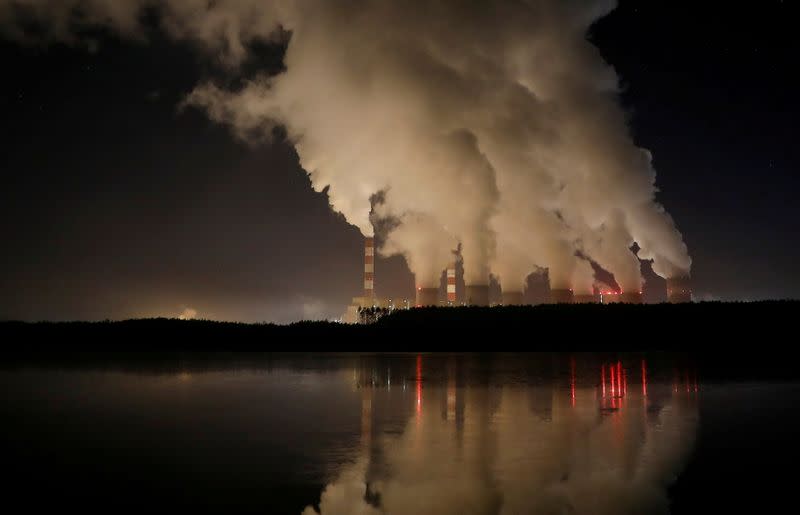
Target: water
[{"x": 402, "y": 434}]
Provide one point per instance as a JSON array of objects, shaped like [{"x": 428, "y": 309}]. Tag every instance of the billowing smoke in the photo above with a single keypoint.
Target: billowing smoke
[{"x": 490, "y": 125}]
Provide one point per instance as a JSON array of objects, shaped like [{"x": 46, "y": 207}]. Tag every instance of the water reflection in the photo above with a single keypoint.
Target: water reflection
[{"x": 581, "y": 445}]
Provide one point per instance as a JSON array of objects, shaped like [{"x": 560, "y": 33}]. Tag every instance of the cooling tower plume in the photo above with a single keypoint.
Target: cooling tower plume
[
  {"x": 515, "y": 140},
  {"x": 425, "y": 243}
]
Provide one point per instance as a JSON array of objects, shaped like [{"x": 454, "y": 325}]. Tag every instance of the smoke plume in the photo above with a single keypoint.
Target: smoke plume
[{"x": 493, "y": 125}]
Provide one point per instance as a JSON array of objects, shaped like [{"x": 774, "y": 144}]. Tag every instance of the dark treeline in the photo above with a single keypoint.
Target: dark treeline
[
  {"x": 738, "y": 339},
  {"x": 618, "y": 327}
]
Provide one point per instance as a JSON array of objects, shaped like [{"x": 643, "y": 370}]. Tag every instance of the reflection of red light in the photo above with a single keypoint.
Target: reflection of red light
[
  {"x": 619, "y": 379},
  {"x": 687, "y": 381},
  {"x": 572, "y": 380},
  {"x": 644, "y": 378},
  {"x": 611, "y": 373},
  {"x": 603, "y": 378},
  {"x": 624, "y": 382}
]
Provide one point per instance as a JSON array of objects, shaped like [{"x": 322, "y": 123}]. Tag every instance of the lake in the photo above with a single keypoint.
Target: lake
[{"x": 398, "y": 434}]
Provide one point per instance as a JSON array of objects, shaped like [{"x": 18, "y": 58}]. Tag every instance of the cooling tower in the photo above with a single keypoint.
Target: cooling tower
[
  {"x": 427, "y": 297},
  {"x": 451, "y": 284},
  {"x": 561, "y": 296},
  {"x": 477, "y": 295},
  {"x": 369, "y": 270},
  {"x": 512, "y": 298},
  {"x": 679, "y": 290},
  {"x": 587, "y": 298}
]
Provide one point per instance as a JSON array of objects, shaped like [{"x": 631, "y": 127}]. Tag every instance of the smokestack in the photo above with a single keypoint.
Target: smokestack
[
  {"x": 369, "y": 270},
  {"x": 451, "y": 284},
  {"x": 427, "y": 297},
  {"x": 477, "y": 295},
  {"x": 588, "y": 298},
  {"x": 561, "y": 296},
  {"x": 679, "y": 290},
  {"x": 512, "y": 298}
]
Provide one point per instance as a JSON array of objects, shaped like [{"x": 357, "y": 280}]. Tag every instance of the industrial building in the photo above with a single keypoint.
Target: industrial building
[{"x": 367, "y": 307}]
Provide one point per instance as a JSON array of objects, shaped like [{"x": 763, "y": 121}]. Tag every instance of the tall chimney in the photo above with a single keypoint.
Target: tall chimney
[
  {"x": 369, "y": 270},
  {"x": 477, "y": 295},
  {"x": 679, "y": 290},
  {"x": 451, "y": 284},
  {"x": 561, "y": 296}
]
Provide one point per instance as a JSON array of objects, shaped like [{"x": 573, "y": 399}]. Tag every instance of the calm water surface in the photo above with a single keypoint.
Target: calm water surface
[{"x": 402, "y": 434}]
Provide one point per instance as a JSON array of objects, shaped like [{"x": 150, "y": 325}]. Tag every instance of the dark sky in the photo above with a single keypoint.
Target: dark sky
[{"x": 116, "y": 204}]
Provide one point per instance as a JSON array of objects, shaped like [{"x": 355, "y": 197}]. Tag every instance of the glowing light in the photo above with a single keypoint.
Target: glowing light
[
  {"x": 687, "y": 381},
  {"x": 644, "y": 378},
  {"x": 572, "y": 380},
  {"x": 603, "y": 378},
  {"x": 613, "y": 389},
  {"x": 624, "y": 382}
]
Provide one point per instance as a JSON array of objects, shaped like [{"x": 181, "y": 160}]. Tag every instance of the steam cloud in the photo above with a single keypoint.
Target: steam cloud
[
  {"x": 514, "y": 461},
  {"x": 493, "y": 125}
]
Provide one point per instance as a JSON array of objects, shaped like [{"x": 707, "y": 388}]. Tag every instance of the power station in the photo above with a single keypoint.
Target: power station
[{"x": 478, "y": 294}]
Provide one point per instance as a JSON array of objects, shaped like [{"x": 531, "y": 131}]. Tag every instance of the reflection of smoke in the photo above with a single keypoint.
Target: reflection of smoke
[
  {"x": 513, "y": 460},
  {"x": 621, "y": 463},
  {"x": 346, "y": 495}
]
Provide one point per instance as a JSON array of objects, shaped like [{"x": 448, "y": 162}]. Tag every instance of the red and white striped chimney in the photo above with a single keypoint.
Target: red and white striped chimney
[
  {"x": 369, "y": 270},
  {"x": 451, "y": 284}
]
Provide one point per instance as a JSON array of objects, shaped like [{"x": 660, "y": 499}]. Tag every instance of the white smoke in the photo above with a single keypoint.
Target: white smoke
[
  {"x": 507, "y": 459},
  {"x": 493, "y": 125}
]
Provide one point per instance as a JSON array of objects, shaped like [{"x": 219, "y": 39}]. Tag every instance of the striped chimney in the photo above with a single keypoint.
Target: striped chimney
[
  {"x": 451, "y": 284},
  {"x": 369, "y": 270}
]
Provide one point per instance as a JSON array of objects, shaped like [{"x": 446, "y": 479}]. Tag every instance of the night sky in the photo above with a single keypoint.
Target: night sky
[{"x": 116, "y": 203}]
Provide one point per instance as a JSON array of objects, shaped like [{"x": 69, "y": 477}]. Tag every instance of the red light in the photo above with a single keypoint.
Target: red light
[
  {"x": 644, "y": 378},
  {"x": 572, "y": 380},
  {"x": 603, "y": 378},
  {"x": 613, "y": 382}
]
